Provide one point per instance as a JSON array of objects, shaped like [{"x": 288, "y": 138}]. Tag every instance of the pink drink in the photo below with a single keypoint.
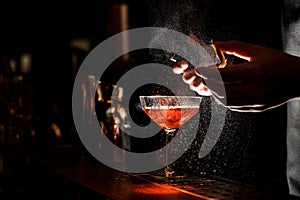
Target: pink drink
[{"x": 171, "y": 117}]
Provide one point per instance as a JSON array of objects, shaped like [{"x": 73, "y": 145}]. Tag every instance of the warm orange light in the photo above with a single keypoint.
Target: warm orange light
[
  {"x": 152, "y": 189},
  {"x": 239, "y": 55},
  {"x": 221, "y": 57},
  {"x": 56, "y": 130}
]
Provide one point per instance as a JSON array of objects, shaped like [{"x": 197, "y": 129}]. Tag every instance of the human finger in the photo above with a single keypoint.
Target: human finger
[
  {"x": 199, "y": 86},
  {"x": 195, "y": 82},
  {"x": 188, "y": 76},
  {"x": 179, "y": 67}
]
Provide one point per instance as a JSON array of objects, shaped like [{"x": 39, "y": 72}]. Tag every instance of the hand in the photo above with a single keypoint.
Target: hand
[{"x": 267, "y": 79}]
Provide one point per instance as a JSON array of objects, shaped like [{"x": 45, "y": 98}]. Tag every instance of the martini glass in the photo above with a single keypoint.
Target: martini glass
[{"x": 170, "y": 113}]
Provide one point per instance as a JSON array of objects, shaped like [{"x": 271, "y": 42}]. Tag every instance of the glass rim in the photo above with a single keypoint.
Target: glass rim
[{"x": 170, "y": 96}]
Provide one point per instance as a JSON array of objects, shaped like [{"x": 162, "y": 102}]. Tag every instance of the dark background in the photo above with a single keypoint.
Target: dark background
[{"x": 252, "y": 146}]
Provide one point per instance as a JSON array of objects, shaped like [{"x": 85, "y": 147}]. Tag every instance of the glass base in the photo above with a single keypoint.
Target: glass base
[{"x": 165, "y": 175}]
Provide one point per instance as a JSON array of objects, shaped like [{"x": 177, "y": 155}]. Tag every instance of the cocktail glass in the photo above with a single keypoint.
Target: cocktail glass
[{"x": 170, "y": 113}]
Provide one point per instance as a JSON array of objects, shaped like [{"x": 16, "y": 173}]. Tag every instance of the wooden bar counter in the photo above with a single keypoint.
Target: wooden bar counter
[
  {"x": 86, "y": 172},
  {"x": 101, "y": 179}
]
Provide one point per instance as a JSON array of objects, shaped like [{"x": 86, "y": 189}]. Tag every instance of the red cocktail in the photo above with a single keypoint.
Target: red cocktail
[{"x": 170, "y": 113}]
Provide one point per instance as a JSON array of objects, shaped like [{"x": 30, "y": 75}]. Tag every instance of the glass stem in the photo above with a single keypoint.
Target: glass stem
[{"x": 169, "y": 134}]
